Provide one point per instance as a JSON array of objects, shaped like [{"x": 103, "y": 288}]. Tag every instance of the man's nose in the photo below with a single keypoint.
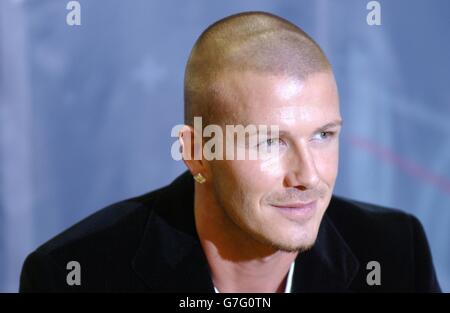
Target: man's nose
[{"x": 301, "y": 169}]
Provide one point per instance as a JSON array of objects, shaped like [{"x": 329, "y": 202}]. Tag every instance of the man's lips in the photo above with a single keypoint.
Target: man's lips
[
  {"x": 297, "y": 205},
  {"x": 297, "y": 210}
]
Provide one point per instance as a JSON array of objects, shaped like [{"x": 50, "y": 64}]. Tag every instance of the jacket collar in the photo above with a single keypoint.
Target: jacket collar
[
  {"x": 330, "y": 266},
  {"x": 170, "y": 257}
]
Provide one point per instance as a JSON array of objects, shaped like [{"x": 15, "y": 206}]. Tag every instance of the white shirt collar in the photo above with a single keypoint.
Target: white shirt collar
[{"x": 288, "y": 288}]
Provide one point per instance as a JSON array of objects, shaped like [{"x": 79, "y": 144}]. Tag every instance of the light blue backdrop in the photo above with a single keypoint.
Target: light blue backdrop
[{"x": 86, "y": 111}]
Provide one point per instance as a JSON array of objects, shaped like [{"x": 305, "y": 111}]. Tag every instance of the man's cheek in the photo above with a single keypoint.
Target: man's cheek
[
  {"x": 271, "y": 168},
  {"x": 327, "y": 167}
]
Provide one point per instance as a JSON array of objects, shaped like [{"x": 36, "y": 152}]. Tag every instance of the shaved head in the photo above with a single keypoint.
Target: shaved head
[{"x": 247, "y": 42}]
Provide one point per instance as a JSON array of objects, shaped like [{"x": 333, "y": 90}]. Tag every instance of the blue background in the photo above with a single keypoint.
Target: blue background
[{"x": 86, "y": 111}]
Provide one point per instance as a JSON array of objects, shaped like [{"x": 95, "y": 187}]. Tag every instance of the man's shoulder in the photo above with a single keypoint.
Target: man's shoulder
[
  {"x": 122, "y": 217},
  {"x": 113, "y": 230},
  {"x": 110, "y": 241},
  {"x": 359, "y": 221},
  {"x": 343, "y": 206},
  {"x": 106, "y": 240},
  {"x": 386, "y": 239},
  {"x": 392, "y": 238},
  {"x": 125, "y": 219}
]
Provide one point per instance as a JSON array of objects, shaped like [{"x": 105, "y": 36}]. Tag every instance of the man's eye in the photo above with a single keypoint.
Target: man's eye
[
  {"x": 270, "y": 142},
  {"x": 324, "y": 135}
]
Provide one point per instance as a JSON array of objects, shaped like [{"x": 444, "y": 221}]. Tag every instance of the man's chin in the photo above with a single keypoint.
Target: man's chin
[{"x": 290, "y": 245}]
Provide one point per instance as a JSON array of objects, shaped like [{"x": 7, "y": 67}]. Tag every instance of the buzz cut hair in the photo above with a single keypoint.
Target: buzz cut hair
[{"x": 251, "y": 41}]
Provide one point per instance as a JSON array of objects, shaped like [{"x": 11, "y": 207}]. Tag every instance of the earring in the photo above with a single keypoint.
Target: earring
[{"x": 199, "y": 178}]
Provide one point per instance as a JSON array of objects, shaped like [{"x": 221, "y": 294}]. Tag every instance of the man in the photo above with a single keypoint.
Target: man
[{"x": 269, "y": 224}]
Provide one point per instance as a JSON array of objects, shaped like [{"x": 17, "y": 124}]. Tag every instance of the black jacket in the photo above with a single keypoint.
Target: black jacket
[{"x": 149, "y": 243}]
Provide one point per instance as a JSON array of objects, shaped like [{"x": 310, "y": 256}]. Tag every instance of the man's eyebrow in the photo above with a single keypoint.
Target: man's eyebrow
[
  {"x": 332, "y": 124},
  {"x": 336, "y": 123}
]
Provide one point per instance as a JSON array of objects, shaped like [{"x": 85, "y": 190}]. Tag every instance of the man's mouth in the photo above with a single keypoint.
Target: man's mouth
[{"x": 297, "y": 210}]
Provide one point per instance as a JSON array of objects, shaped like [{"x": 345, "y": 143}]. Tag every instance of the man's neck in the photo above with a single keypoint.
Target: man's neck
[
  {"x": 239, "y": 263},
  {"x": 249, "y": 276}
]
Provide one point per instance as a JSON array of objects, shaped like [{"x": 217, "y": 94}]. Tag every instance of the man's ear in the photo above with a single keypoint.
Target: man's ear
[{"x": 191, "y": 150}]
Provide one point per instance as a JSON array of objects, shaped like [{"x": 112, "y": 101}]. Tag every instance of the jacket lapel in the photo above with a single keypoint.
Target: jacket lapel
[
  {"x": 330, "y": 266},
  {"x": 170, "y": 257}
]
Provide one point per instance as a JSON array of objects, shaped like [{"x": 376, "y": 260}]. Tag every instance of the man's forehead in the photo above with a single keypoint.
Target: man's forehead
[
  {"x": 236, "y": 86},
  {"x": 249, "y": 98},
  {"x": 289, "y": 119},
  {"x": 233, "y": 80}
]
